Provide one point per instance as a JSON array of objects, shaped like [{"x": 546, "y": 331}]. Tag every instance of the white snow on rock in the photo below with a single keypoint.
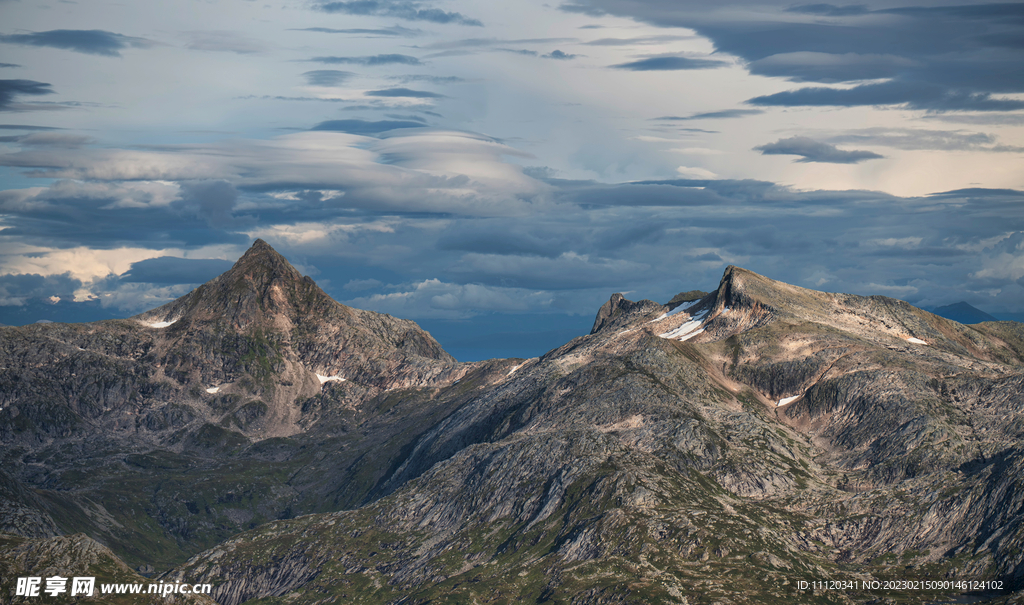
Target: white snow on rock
[
  {"x": 786, "y": 400},
  {"x": 158, "y": 324},
  {"x": 324, "y": 379},
  {"x": 916, "y": 341},
  {"x": 513, "y": 370},
  {"x": 682, "y": 307},
  {"x": 688, "y": 330},
  {"x": 212, "y": 390}
]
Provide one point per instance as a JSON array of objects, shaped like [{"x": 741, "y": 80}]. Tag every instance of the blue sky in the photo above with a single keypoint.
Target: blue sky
[{"x": 496, "y": 170}]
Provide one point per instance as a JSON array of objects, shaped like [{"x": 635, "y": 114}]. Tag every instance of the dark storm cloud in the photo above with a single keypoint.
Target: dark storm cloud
[
  {"x": 713, "y": 115},
  {"x": 364, "y": 126},
  {"x": 408, "y": 10},
  {"x": 373, "y": 60},
  {"x": 404, "y": 92},
  {"x": 670, "y": 64},
  {"x": 385, "y": 31},
  {"x": 815, "y": 151},
  {"x": 89, "y": 41},
  {"x": 326, "y": 77},
  {"x": 174, "y": 270},
  {"x": 9, "y": 89},
  {"x": 941, "y": 59}
]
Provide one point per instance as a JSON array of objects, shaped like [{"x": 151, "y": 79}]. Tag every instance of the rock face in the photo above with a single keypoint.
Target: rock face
[
  {"x": 184, "y": 406},
  {"x": 70, "y": 556},
  {"x": 720, "y": 448}
]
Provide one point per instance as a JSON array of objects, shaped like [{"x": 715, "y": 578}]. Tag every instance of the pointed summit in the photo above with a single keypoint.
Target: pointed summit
[
  {"x": 261, "y": 289},
  {"x": 263, "y": 303},
  {"x": 262, "y": 262}
]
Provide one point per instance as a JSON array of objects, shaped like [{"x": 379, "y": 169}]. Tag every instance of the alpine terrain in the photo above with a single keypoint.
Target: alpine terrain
[{"x": 760, "y": 443}]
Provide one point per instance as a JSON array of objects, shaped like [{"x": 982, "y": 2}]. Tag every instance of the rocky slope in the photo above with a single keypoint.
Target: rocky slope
[
  {"x": 721, "y": 448},
  {"x": 167, "y": 432}
]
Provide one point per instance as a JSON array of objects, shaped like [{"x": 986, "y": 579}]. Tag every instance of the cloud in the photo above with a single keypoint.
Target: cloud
[
  {"x": 373, "y": 60},
  {"x": 641, "y": 40},
  {"x": 830, "y": 10},
  {"x": 404, "y": 92},
  {"x": 714, "y": 115},
  {"x": 914, "y": 139},
  {"x": 365, "y": 127},
  {"x": 52, "y": 139},
  {"x": 213, "y": 200},
  {"x": 9, "y": 89},
  {"x": 400, "y": 9},
  {"x": 26, "y": 126},
  {"x": 569, "y": 270},
  {"x": 225, "y": 41},
  {"x": 89, "y": 41},
  {"x": 9, "y": 65},
  {"x": 433, "y": 298},
  {"x": 582, "y": 9},
  {"x": 395, "y": 30},
  {"x": 670, "y": 64},
  {"x": 175, "y": 270},
  {"x": 326, "y": 77},
  {"x": 431, "y": 79},
  {"x": 830, "y": 68},
  {"x": 937, "y": 58},
  {"x": 815, "y": 151},
  {"x": 18, "y": 289},
  {"x": 557, "y": 54},
  {"x": 359, "y": 285},
  {"x": 913, "y": 95}
]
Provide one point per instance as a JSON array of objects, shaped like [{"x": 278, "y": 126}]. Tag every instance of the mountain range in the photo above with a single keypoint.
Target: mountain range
[{"x": 733, "y": 446}]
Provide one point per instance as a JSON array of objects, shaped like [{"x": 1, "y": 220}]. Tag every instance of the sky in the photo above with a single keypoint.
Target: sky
[{"x": 496, "y": 170}]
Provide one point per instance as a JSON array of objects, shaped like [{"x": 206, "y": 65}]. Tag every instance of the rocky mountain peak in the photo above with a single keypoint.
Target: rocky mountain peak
[
  {"x": 263, "y": 264},
  {"x": 262, "y": 289},
  {"x": 619, "y": 309}
]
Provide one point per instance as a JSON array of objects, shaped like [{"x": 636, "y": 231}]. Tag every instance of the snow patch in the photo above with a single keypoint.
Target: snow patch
[
  {"x": 786, "y": 400},
  {"x": 691, "y": 335},
  {"x": 324, "y": 379},
  {"x": 212, "y": 390},
  {"x": 513, "y": 370},
  {"x": 687, "y": 330},
  {"x": 159, "y": 324},
  {"x": 916, "y": 341},
  {"x": 682, "y": 307}
]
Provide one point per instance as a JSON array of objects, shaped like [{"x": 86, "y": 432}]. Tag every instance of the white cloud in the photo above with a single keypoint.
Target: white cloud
[{"x": 433, "y": 298}]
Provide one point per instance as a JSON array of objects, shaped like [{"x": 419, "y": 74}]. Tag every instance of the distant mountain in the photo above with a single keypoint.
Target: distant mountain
[
  {"x": 963, "y": 313},
  {"x": 720, "y": 448}
]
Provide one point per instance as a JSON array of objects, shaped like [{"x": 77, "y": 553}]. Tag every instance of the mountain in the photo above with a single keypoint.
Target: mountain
[
  {"x": 963, "y": 313},
  {"x": 723, "y": 447},
  {"x": 164, "y": 433},
  {"x": 720, "y": 449}
]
